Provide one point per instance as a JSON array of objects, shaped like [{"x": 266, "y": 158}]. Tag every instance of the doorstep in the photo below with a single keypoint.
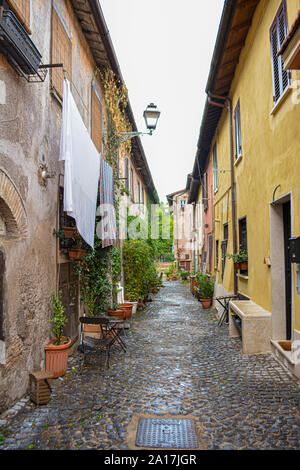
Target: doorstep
[{"x": 285, "y": 358}]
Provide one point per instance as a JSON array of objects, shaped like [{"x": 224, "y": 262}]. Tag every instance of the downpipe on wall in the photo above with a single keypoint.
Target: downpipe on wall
[{"x": 226, "y": 104}]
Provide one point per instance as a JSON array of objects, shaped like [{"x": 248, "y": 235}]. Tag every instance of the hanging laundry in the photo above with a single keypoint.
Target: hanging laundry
[
  {"x": 107, "y": 227},
  {"x": 82, "y": 168}
]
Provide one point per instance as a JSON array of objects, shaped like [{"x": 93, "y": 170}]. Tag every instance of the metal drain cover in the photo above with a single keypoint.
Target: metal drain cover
[{"x": 167, "y": 433}]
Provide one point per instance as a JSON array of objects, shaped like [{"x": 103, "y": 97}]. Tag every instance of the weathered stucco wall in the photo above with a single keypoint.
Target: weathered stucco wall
[{"x": 30, "y": 122}]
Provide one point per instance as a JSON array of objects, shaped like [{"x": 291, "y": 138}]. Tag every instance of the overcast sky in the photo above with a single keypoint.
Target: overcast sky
[{"x": 164, "y": 48}]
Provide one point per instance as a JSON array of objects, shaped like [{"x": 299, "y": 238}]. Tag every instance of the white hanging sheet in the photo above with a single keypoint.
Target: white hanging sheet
[{"x": 82, "y": 168}]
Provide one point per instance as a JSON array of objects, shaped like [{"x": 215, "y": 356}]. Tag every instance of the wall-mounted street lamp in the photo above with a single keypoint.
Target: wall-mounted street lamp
[{"x": 151, "y": 115}]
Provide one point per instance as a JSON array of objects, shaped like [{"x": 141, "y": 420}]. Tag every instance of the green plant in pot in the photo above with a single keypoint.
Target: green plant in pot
[
  {"x": 240, "y": 259},
  {"x": 115, "y": 309},
  {"x": 56, "y": 351},
  {"x": 205, "y": 291}
]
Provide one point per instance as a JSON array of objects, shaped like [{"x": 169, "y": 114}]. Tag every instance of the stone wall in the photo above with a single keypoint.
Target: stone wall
[{"x": 30, "y": 123}]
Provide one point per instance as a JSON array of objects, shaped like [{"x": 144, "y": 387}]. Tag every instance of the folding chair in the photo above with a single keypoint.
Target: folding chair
[{"x": 90, "y": 345}]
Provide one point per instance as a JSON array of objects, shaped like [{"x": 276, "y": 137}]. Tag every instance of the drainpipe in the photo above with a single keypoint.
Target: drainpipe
[{"x": 228, "y": 106}]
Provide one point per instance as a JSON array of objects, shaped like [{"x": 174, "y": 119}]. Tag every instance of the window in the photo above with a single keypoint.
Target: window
[
  {"x": 131, "y": 184},
  {"x": 143, "y": 196},
  {"x": 61, "y": 52},
  {"x": 21, "y": 8},
  {"x": 139, "y": 192},
  {"x": 243, "y": 234},
  {"x": 183, "y": 203},
  {"x": 243, "y": 238},
  {"x": 205, "y": 192},
  {"x": 96, "y": 119},
  {"x": 127, "y": 173},
  {"x": 215, "y": 167},
  {"x": 238, "y": 134},
  {"x": 224, "y": 247},
  {"x": 278, "y": 33},
  {"x": 217, "y": 253}
]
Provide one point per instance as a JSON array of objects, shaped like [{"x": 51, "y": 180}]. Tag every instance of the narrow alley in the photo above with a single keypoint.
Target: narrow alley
[{"x": 179, "y": 363}]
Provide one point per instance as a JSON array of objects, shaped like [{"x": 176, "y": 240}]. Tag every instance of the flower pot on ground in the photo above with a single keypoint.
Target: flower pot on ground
[
  {"x": 206, "y": 303},
  {"x": 56, "y": 351},
  {"x": 57, "y": 357},
  {"x": 205, "y": 290},
  {"x": 119, "y": 314},
  {"x": 127, "y": 307}
]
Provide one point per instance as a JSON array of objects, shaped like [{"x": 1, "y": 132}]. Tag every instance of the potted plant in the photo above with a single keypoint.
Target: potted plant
[
  {"x": 56, "y": 350},
  {"x": 89, "y": 299},
  {"x": 69, "y": 232},
  {"x": 78, "y": 249},
  {"x": 115, "y": 309},
  {"x": 206, "y": 292},
  {"x": 132, "y": 296},
  {"x": 240, "y": 259}
]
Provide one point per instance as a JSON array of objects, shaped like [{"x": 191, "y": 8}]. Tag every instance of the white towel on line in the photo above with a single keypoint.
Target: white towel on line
[{"x": 82, "y": 168}]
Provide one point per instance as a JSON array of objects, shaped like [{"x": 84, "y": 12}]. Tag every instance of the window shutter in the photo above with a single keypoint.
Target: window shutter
[
  {"x": 127, "y": 173},
  {"x": 96, "y": 121},
  {"x": 278, "y": 33},
  {"x": 61, "y": 53},
  {"x": 282, "y": 32},
  {"x": 238, "y": 134},
  {"x": 22, "y": 9}
]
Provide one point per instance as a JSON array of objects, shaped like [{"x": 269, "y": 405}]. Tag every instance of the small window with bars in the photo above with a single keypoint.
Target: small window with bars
[
  {"x": 61, "y": 51},
  {"x": 238, "y": 132},
  {"x": 278, "y": 33}
]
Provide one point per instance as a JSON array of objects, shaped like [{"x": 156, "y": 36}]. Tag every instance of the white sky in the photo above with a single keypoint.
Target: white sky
[{"x": 164, "y": 49}]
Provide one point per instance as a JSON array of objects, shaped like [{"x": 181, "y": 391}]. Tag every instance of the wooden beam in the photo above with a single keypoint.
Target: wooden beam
[
  {"x": 247, "y": 4},
  {"x": 240, "y": 26}
]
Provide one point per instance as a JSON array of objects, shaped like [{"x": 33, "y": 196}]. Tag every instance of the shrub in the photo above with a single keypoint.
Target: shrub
[{"x": 140, "y": 276}]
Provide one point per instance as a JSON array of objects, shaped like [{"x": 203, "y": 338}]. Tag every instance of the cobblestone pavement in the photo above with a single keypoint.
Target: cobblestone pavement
[{"x": 179, "y": 362}]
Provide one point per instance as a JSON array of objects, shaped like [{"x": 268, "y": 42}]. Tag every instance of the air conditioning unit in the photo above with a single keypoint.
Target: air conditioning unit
[{"x": 16, "y": 44}]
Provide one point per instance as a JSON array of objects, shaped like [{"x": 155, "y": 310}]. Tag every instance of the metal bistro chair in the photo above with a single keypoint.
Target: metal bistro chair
[{"x": 103, "y": 344}]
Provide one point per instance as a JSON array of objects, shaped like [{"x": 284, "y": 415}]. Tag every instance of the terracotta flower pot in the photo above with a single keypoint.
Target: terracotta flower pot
[
  {"x": 206, "y": 303},
  {"x": 127, "y": 307},
  {"x": 76, "y": 253},
  {"x": 57, "y": 358},
  {"x": 92, "y": 328},
  {"x": 69, "y": 231},
  {"x": 244, "y": 266},
  {"x": 120, "y": 314}
]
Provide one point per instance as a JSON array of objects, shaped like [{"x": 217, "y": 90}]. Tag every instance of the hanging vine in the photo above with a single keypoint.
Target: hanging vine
[{"x": 116, "y": 100}]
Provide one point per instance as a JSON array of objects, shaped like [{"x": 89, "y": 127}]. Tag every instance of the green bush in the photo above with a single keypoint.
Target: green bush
[
  {"x": 184, "y": 275},
  {"x": 140, "y": 276},
  {"x": 206, "y": 288}
]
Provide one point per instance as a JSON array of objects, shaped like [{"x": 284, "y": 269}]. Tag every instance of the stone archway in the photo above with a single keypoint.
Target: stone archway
[{"x": 12, "y": 211}]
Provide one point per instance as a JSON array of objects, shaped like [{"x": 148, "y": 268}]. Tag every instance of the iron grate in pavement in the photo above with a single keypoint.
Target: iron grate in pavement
[{"x": 167, "y": 433}]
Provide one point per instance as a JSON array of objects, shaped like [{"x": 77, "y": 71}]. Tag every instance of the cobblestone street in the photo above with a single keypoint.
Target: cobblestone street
[{"x": 178, "y": 362}]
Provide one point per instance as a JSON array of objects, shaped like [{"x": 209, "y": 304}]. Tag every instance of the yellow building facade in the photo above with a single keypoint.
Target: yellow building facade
[{"x": 255, "y": 151}]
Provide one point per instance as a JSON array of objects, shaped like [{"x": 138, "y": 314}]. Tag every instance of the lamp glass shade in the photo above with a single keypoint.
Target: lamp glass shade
[{"x": 151, "y": 115}]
